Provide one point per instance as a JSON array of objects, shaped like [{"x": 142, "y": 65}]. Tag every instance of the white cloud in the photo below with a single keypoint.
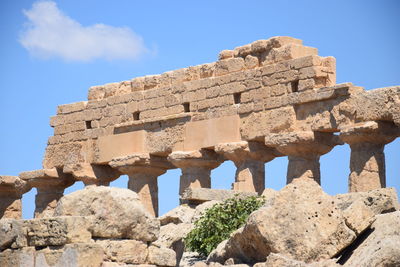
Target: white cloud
[{"x": 50, "y": 33}]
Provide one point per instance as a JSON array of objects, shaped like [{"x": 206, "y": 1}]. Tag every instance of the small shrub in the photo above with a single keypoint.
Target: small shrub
[{"x": 219, "y": 221}]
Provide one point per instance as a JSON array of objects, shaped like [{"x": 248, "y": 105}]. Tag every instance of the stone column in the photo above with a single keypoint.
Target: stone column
[
  {"x": 367, "y": 161},
  {"x": 303, "y": 166},
  {"x": 196, "y": 168},
  {"x": 143, "y": 171},
  {"x": 11, "y": 190},
  {"x": 249, "y": 159},
  {"x": 303, "y": 150},
  {"x": 91, "y": 174},
  {"x": 50, "y": 185}
]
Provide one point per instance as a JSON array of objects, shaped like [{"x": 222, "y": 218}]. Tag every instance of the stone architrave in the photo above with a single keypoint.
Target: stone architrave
[
  {"x": 92, "y": 174},
  {"x": 11, "y": 190},
  {"x": 50, "y": 185},
  {"x": 303, "y": 150},
  {"x": 249, "y": 159},
  {"x": 367, "y": 161},
  {"x": 196, "y": 167},
  {"x": 143, "y": 171}
]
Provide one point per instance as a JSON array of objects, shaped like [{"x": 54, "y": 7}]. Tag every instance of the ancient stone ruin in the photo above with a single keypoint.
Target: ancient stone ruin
[{"x": 268, "y": 99}]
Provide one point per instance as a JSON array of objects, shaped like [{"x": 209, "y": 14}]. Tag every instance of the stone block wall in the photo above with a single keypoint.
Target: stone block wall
[{"x": 267, "y": 99}]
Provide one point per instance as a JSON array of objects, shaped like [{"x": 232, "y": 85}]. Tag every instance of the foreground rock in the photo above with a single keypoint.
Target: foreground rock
[
  {"x": 380, "y": 246},
  {"x": 116, "y": 213},
  {"x": 304, "y": 224}
]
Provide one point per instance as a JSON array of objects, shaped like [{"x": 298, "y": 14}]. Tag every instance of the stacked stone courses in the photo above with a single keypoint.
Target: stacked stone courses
[{"x": 267, "y": 99}]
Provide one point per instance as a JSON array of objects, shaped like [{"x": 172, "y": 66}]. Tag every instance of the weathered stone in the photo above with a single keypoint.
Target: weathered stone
[
  {"x": 161, "y": 256},
  {"x": 201, "y": 195},
  {"x": 76, "y": 255},
  {"x": 319, "y": 231},
  {"x": 92, "y": 174},
  {"x": 58, "y": 231},
  {"x": 381, "y": 200},
  {"x": 358, "y": 216},
  {"x": 190, "y": 259},
  {"x": 12, "y": 234},
  {"x": 124, "y": 251},
  {"x": 11, "y": 190},
  {"x": 180, "y": 214},
  {"x": 380, "y": 246},
  {"x": 278, "y": 260},
  {"x": 115, "y": 212},
  {"x": 171, "y": 236},
  {"x": 23, "y": 257}
]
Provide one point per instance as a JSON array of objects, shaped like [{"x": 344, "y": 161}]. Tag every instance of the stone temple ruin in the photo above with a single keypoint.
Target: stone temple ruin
[{"x": 267, "y": 99}]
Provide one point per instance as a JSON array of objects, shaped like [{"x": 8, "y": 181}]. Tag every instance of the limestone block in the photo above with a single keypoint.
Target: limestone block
[
  {"x": 200, "y": 195},
  {"x": 60, "y": 154},
  {"x": 320, "y": 231},
  {"x": 11, "y": 190},
  {"x": 224, "y": 54},
  {"x": 58, "y": 231},
  {"x": 376, "y": 104},
  {"x": 304, "y": 62},
  {"x": 57, "y": 120},
  {"x": 292, "y": 51},
  {"x": 24, "y": 257},
  {"x": 73, "y": 107},
  {"x": 12, "y": 234},
  {"x": 382, "y": 200},
  {"x": 207, "y": 70},
  {"x": 161, "y": 256},
  {"x": 119, "y": 145},
  {"x": 358, "y": 216},
  {"x": 116, "y": 213},
  {"x": 251, "y": 62},
  {"x": 242, "y": 51},
  {"x": 171, "y": 236},
  {"x": 137, "y": 84},
  {"x": 381, "y": 246},
  {"x": 229, "y": 65},
  {"x": 78, "y": 254},
  {"x": 314, "y": 71},
  {"x": 278, "y": 41},
  {"x": 124, "y": 251},
  {"x": 110, "y": 89},
  {"x": 180, "y": 214},
  {"x": 208, "y": 133},
  {"x": 96, "y": 93},
  {"x": 92, "y": 174},
  {"x": 260, "y": 46}
]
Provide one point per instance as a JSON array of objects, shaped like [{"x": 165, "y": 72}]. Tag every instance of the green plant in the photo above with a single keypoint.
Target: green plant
[{"x": 219, "y": 221}]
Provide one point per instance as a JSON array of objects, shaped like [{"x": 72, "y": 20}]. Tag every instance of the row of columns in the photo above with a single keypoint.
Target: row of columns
[{"x": 304, "y": 149}]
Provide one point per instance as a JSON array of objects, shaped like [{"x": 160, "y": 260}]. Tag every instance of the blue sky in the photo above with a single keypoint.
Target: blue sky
[{"x": 44, "y": 64}]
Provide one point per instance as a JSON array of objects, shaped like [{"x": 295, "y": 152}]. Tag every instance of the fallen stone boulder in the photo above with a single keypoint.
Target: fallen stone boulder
[
  {"x": 380, "y": 246},
  {"x": 115, "y": 213},
  {"x": 181, "y": 214},
  {"x": 380, "y": 200},
  {"x": 303, "y": 224}
]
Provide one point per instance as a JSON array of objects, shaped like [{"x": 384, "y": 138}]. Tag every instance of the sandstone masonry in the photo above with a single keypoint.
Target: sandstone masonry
[{"x": 267, "y": 99}]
